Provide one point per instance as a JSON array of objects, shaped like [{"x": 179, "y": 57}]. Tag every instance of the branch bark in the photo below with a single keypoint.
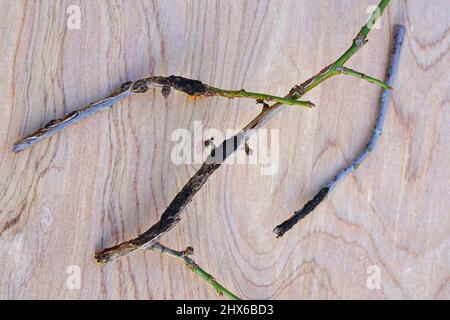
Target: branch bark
[{"x": 188, "y": 86}]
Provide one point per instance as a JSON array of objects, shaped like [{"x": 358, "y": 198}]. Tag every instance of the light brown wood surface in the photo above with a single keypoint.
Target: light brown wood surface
[{"x": 110, "y": 177}]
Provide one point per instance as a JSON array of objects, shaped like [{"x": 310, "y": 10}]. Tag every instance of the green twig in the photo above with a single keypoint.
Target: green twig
[
  {"x": 259, "y": 96},
  {"x": 336, "y": 67},
  {"x": 191, "y": 264},
  {"x": 351, "y": 72},
  {"x": 361, "y": 37}
]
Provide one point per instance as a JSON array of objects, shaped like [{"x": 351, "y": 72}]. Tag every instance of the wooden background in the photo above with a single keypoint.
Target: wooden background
[{"x": 110, "y": 177}]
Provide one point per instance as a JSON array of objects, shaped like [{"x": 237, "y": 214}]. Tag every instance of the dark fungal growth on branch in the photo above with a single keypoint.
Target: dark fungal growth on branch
[{"x": 300, "y": 214}]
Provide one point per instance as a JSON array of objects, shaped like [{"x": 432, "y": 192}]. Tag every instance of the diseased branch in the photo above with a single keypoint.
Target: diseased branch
[
  {"x": 280, "y": 230},
  {"x": 188, "y": 86},
  {"x": 171, "y": 216},
  {"x": 183, "y": 256},
  {"x": 168, "y": 219}
]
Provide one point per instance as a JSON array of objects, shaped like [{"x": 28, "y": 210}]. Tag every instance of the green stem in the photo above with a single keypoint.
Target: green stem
[
  {"x": 192, "y": 265},
  {"x": 361, "y": 37},
  {"x": 259, "y": 96},
  {"x": 354, "y": 73},
  {"x": 210, "y": 279},
  {"x": 334, "y": 69}
]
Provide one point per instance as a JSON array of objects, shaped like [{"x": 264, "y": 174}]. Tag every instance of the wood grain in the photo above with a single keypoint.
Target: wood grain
[{"x": 109, "y": 178}]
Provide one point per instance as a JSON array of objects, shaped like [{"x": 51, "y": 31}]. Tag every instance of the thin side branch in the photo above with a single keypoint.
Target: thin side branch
[
  {"x": 183, "y": 256},
  {"x": 260, "y": 97},
  {"x": 188, "y": 86},
  {"x": 399, "y": 33},
  {"x": 363, "y": 76},
  {"x": 171, "y": 216}
]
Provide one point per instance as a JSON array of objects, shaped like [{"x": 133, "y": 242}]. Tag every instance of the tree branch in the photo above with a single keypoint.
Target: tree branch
[
  {"x": 280, "y": 230},
  {"x": 188, "y": 86},
  {"x": 171, "y": 216}
]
